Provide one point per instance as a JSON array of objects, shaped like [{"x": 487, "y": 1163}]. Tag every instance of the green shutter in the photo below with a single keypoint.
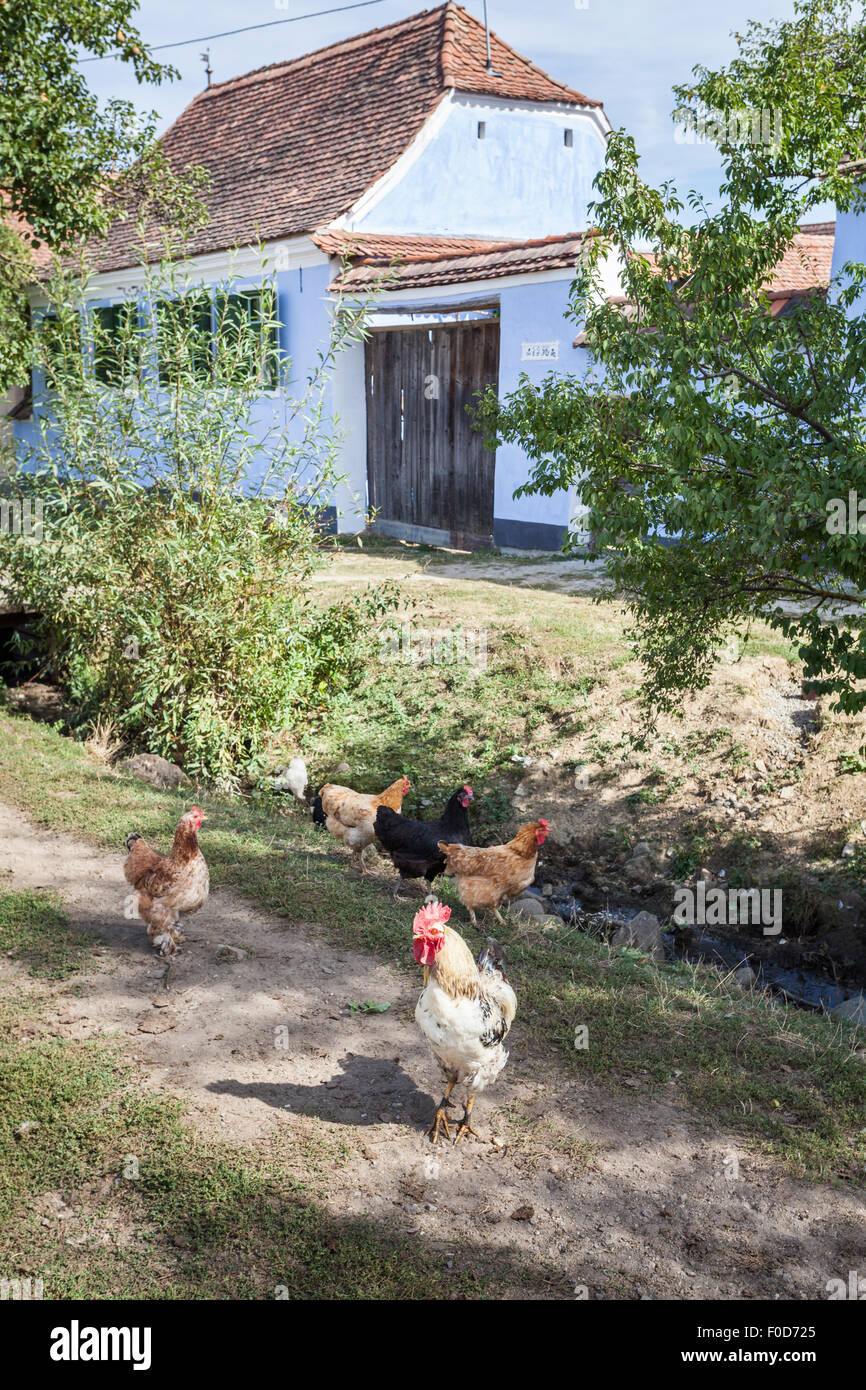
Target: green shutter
[
  {"x": 59, "y": 344},
  {"x": 249, "y": 341},
  {"x": 116, "y": 343},
  {"x": 184, "y": 330}
]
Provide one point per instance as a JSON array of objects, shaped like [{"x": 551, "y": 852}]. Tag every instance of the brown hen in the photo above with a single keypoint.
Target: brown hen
[{"x": 169, "y": 886}]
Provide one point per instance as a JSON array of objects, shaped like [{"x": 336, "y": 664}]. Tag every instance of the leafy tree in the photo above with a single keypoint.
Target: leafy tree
[
  {"x": 708, "y": 417},
  {"x": 67, "y": 163}
]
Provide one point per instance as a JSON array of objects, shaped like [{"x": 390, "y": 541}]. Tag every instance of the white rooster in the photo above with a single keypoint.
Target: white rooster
[{"x": 464, "y": 1011}]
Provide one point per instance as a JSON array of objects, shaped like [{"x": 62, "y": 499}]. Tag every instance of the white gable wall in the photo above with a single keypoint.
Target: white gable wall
[{"x": 520, "y": 181}]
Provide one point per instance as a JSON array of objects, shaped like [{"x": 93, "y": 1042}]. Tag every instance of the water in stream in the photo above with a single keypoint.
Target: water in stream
[{"x": 808, "y": 989}]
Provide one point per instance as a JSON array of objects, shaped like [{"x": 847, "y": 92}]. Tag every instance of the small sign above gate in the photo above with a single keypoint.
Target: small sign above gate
[{"x": 539, "y": 352}]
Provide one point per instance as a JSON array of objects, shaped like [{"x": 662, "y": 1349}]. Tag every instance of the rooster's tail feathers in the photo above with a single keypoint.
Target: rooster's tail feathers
[{"x": 492, "y": 958}]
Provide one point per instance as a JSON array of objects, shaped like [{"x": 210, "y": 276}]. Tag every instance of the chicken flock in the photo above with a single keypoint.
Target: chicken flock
[{"x": 466, "y": 1007}]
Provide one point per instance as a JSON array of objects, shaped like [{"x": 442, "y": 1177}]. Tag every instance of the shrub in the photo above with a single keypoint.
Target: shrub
[{"x": 182, "y": 521}]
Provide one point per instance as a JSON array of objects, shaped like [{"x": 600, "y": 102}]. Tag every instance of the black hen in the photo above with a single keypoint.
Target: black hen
[{"x": 413, "y": 845}]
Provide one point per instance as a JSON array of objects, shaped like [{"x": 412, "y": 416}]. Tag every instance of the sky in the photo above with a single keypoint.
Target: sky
[{"x": 627, "y": 53}]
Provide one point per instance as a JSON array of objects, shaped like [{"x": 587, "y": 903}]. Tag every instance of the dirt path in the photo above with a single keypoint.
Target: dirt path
[
  {"x": 628, "y": 1198},
  {"x": 553, "y": 573},
  {"x": 541, "y": 572}
]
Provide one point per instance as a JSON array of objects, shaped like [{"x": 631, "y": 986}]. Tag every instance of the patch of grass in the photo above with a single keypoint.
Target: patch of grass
[
  {"x": 34, "y": 930},
  {"x": 443, "y": 722},
  {"x": 690, "y": 855},
  {"x": 739, "y": 756},
  {"x": 741, "y": 852},
  {"x": 791, "y": 1083},
  {"x": 658, "y": 787}
]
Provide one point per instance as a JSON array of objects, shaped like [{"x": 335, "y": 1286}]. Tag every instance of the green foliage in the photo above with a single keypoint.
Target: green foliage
[
  {"x": 58, "y": 147},
  {"x": 181, "y": 525},
  {"x": 688, "y": 857},
  {"x": 711, "y": 419},
  {"x": 16, "y": 274},
  {"x": 68, "y": 164}
]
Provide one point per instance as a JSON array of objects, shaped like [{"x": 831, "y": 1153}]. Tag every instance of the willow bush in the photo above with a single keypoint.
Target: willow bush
[{"x": 182, "y": 477}]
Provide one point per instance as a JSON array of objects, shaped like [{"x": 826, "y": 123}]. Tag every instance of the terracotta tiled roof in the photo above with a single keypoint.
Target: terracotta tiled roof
[
  {"x": 804, "y": 266},
  {"x": 806, "y": 263},
  {"x": 423, "y": 261},
  {"x": 292, "y": 146},
  {"x": 385, "y": 247},
  {"x": 464, "y": 65}
]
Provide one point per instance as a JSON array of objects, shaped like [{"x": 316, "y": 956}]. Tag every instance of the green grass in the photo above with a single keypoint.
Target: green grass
[
  {"x": 789, "y": 1083},
  {"x": 548, "y": 658},
  {"x": 152, "y": 1212},
  {"x": 33, "y": 929}
]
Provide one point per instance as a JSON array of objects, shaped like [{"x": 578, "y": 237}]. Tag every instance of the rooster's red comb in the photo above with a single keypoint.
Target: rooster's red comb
[{"x": 430, "y": 915}]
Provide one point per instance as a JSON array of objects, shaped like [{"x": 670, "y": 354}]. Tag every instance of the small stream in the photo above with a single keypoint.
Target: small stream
[{"x": 806, "y": 989}]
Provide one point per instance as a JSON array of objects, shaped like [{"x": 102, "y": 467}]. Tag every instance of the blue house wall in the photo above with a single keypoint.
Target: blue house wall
[
  {"x": 523, "y": 180},
  {"x": 850, "y": 245},
  {"x": 531, "y": 313},
  {"x": 303, "y": 307}
]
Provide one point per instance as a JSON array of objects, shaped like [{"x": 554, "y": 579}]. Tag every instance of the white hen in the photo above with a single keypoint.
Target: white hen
[{"x": 292, "y": 779}]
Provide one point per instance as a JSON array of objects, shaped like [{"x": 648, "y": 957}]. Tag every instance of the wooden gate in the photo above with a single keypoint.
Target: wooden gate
[{"x": 429, "y": 474}]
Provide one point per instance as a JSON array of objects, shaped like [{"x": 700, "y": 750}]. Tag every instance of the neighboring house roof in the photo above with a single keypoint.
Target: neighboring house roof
[
  {"x": 292, "y": 146},
  {"x": 803, "y": 270},
  {"x": 414, "y": 262},
  {"x": 805, "y": 266}
]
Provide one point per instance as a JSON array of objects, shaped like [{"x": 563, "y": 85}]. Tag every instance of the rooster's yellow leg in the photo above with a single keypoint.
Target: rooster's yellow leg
[
  {"x": 440, "y": 1118},
  {"x": 465, "y": 1126}
]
